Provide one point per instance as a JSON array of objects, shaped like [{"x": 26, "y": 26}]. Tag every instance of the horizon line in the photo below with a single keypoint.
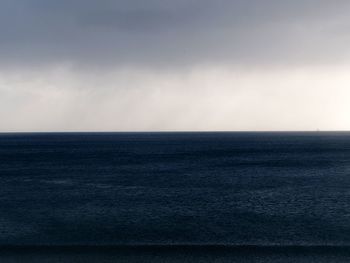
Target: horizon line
[{"x": 177, "y": 131}]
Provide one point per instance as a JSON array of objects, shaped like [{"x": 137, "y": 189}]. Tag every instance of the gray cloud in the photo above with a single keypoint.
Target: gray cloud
[
  {"x": 174, "y": 33},
  {"x": 84, "y": 65}
]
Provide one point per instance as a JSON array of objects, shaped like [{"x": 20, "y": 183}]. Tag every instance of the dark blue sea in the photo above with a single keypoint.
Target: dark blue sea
[{"x": 185, "y": 190}]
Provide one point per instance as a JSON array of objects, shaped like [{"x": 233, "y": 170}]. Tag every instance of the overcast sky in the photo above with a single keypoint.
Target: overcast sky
[{"x": 137, "y": 65}]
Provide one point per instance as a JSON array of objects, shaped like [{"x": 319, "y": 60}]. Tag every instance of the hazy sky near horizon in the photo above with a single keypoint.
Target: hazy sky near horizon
[{"x": 136, "y": 65}]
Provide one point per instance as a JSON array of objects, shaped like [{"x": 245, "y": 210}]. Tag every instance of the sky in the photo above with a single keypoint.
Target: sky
[{"x": 165, "y": 65}]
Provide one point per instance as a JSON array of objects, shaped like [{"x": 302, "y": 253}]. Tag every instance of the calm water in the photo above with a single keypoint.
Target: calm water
[{"x": 175, "y": 188}]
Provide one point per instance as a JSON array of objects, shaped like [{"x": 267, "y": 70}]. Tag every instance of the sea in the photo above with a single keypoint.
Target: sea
[{"x": 175, "y": 197}]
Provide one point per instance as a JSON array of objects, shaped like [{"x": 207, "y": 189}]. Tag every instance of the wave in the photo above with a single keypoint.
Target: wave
[{"x": 209, "y": 247}]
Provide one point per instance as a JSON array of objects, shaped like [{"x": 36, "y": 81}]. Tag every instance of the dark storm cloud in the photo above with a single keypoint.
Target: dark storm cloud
[{"x": 168, "y": 32}]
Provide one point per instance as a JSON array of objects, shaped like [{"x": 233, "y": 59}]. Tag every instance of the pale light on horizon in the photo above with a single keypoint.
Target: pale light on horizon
[{"x": 203, "y": 99}]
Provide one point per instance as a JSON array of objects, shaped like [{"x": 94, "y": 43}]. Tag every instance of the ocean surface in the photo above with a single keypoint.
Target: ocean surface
[{"x": 175, "y": 189}]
